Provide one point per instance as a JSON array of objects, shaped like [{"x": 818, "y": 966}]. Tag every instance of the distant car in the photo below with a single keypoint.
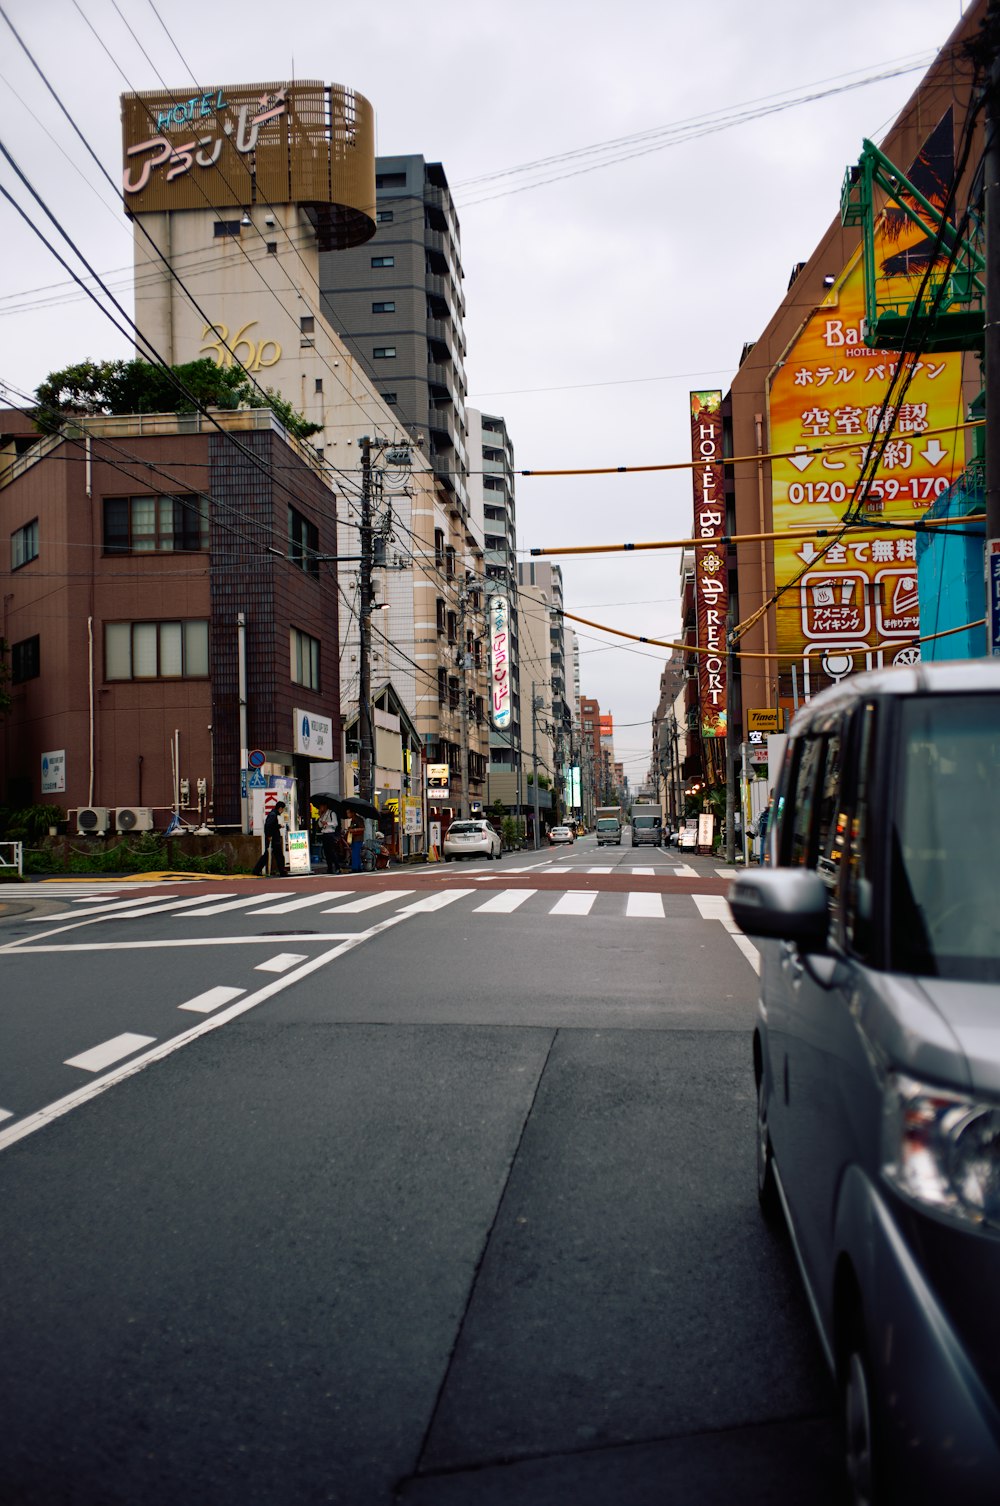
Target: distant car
[
  {"x": 876, "y": 1056},
  {"x": 561, "y": 834},
  {"x": 471, "y": 839}
]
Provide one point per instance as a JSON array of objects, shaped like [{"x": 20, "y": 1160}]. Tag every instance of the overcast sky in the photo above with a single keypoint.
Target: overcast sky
[{"x": 595, "y": 301}]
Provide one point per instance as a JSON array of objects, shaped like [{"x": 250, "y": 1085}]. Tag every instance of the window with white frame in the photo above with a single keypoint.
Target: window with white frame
[
  {"x": 156, "y": 650},
  {"x": 305, "y": 659},
  {"x": 24, "y": 545}
]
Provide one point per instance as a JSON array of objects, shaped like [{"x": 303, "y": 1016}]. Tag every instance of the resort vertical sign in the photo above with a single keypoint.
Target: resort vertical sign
[
  {"x": 500, "y": 662},
  {"x": 711, "y": 580}
]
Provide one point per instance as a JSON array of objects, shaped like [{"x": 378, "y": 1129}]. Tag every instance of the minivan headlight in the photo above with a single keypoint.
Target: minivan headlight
[{"x": 942, "y": 1150}]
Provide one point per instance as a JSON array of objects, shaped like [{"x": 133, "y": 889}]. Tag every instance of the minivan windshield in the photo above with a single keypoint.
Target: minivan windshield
[{"x": 946, "y": 838}]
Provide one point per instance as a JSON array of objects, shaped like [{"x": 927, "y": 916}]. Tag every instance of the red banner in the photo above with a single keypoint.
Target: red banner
[{"x": 711, "y": 579}]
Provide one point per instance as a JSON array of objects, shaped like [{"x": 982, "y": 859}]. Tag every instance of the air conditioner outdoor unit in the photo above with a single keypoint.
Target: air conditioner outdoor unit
[
  {"x": 133, "y": 818},
  {"x": 92, "y": 820}
]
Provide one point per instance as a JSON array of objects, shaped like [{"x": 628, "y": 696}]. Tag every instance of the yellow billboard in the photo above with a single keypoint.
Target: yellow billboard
[{"x": 850, "y": 602}]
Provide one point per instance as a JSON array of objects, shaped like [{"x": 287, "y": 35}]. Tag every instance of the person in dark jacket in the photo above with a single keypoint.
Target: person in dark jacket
[{"x": 272, "y": 844}]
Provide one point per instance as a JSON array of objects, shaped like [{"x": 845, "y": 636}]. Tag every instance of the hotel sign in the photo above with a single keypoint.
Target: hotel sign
[
  {"x": 237, "y": 145},
  {"x": 711, "y": 578},
  {"x": 500, "y": 662}
]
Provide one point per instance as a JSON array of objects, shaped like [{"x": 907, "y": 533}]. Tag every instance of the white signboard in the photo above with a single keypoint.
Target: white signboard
[
  {"x": 54, "y": 772},
  {"x": 413, "y": 817},
  {"x": 500, "y": 662},
  {"x": 313, "y": 734},
  {"x": 298, "y": 852}
]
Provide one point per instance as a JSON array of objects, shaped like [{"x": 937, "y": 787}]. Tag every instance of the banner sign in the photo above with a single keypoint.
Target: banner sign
[
  {"x": 850, "y": 597},
  {"x": 500, "y": 662},
  {"x": 711, "y": 578}
]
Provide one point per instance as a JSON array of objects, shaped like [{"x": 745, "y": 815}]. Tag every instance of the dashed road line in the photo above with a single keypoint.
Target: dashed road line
[
  {"x": 109, "y": 1052},
  {"x": 281, "y": 963},
  {"x": 212, "y": 998}
]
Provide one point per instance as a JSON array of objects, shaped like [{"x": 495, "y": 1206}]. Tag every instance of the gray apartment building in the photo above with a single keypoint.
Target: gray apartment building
[
  {"x": 491, "y": 493},
  {"x": 397, "y": 303}
]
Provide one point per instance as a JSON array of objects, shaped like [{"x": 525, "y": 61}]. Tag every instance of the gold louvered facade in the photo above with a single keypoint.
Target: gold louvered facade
[{"x": 235, "y": 146}]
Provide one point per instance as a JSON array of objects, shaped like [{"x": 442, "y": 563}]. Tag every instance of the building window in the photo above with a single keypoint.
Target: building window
[
  {"x": 390, "y": 397},
  {"x": 383, "y": 261},
  {"x": 155, "y": 525},
  {"x": 226, "y": 227},
  {"x": 384, "y": 308},
  {"x": 307, "y": 324},
  {"x": 24, "y": 545},
  {"x": 272, "y": 248},
  {"x": 439, "y": 546},
  {"x": 453, "y": 693},
  {"x": 305, "y": 659},
  {"x": 25, "y": 660},
  {"x": 156, "y": 650},
  {"x": 303, "y": 542},
  {"x": 390, "y": 180},
  {"x": 449, "y": 562},
  {"x": 452, "y": 620},
  {"x": 319, "y": 384},
  {"x": 442, "y": 686},
  {"x": 384, "y": 352},
  {"x": 384, "y": 217},
  {"x": 441, "y": 623}
]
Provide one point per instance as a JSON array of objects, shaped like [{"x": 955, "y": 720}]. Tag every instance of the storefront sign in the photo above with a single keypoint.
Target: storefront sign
[
  {"x": 54, "y": 772},
  {"x": 500, "y": 661},
  {"x": 763, "y": 719},
  {"x": 711, "y": 577},
  {"x": 438, "y": 782},
  {"x": 313, "y": 734}
]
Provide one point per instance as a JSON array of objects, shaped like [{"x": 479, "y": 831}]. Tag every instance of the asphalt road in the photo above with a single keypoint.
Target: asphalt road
[{"x": 422, "y": 1201}]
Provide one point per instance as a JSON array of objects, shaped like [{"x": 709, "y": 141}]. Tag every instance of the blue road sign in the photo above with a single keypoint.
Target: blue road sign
[{"x": 257, "y": 780}]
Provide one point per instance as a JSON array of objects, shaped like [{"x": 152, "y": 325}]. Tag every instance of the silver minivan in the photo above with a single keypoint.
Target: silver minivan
[{"x": 876, "y": 1055}]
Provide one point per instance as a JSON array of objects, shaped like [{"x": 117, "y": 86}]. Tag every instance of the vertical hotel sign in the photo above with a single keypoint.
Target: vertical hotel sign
[
  {"x": 711, "y": 580},
  {"x": 500, "y": 662}
]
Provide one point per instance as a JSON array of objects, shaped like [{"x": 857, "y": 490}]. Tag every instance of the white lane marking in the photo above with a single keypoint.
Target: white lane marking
[
  {"x": 6, "y": 1113},
  {"x": 599, "y": 870},
  {"x": 728, "y": 872},
  {"x": 684, "y": 870},
  {"x": 384, "y": 897},
  {"x": 436, "y": 901},
  {"x": 505, "y": 902},
  {"x": 220, "y": 907},
  {"x": 302, "y": 903},
  {"x": 27, "y": 1126},
  {"x": 109, "y": 1052},
  {"x": 212, "y": 998},
  {"x": 102, "y": 906},
  {"x": 644, "y": 906},
  {"x": 579, "y": 903},
  {"x": 716, "y": 907},
  {"x": 281, "y": 963},
  {"x": 641, "y": 872}
]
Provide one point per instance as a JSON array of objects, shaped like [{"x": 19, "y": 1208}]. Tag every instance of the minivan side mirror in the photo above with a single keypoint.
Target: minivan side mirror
[{"x": 789, "y": 904}]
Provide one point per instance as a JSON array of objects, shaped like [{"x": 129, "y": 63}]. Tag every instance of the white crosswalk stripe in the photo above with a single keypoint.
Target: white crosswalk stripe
[
  {"x": 505, "y": 902},
  {"x": 302, "y": 903},
  {"x": 369, "y": 902},
  {"x": 644, "y": 906},
  {"x": 432, "y": 902},
  {"x": 574, "y": 903},
  {"x": 223, "y": 906},
  {"x": 598, "y": 870}
]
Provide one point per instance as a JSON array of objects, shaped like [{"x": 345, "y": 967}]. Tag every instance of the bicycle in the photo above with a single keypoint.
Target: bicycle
[{"x": 373, "y": 853}]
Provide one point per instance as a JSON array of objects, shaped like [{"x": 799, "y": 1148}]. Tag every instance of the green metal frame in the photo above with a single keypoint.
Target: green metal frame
[{"x": 958, "y": 320}]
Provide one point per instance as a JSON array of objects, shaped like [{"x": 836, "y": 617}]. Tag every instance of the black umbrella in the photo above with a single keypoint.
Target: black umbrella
[
  {"x": 361, "y": 808},
  {"x": 333, "y": 801}
]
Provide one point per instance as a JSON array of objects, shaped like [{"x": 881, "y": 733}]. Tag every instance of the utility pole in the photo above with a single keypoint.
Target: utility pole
[
  {"x": 462, "y": 652},
  {"x": 731, "y": 747},
  {"x": 365, "y": 627},
  {"x": 535, "y": 703}
]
